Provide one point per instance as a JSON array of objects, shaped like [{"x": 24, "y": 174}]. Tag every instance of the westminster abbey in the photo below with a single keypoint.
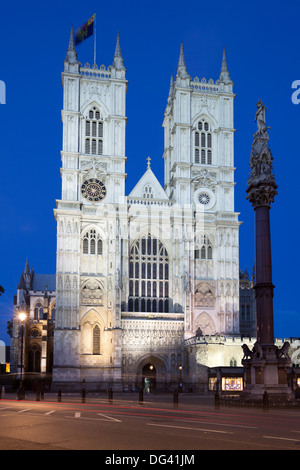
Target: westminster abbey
[{"x": 146, "y": 289}]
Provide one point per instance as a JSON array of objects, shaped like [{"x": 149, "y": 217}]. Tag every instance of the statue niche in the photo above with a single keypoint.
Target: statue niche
[
  {"x": 204, "y": 295},
  {"x": 92, "y": 292}
]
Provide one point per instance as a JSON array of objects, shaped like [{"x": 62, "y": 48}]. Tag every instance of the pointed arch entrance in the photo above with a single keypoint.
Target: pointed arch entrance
[{"x": 151, "y": 373}]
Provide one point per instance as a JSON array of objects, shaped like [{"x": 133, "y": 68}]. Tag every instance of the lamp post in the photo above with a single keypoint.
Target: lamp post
[
  {"x": 21, "y": 394},
  {"x": 180, "y": 378},
  {"x": 151, "y": 368}
]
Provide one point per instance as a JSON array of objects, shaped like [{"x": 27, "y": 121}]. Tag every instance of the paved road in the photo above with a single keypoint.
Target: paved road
[{"x": 154, "y": 426}]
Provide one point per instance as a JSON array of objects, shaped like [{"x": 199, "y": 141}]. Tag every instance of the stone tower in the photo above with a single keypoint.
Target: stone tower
[
  {"x": 199, "y": 177},
  {"x": 89, "y": 219}
]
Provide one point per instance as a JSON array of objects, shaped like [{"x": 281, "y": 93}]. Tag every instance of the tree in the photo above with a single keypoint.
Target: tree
[{"x": 10, "y": 327}]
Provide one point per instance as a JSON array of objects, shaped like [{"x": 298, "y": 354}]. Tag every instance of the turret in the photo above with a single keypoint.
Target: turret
[
  {"x": 224, "y": 74},
  {"x": 182, "y": 77},
  {"x": 118, "y": 59},
  {"x": 71, "y": 63}
]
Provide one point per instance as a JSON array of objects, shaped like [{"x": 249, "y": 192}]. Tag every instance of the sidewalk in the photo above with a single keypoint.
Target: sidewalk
[{"x": 148, "y": 399}]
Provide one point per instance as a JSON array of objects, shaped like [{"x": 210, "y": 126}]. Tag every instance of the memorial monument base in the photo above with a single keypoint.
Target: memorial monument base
[{"x": 266, "y": 371}]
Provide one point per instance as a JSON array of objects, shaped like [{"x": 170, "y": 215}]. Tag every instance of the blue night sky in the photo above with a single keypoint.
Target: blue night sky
[{"x": 263, "y": 55}]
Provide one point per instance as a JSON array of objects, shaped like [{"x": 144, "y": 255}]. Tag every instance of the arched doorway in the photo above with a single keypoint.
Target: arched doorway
[
  {"x": 149, "y": 378},
  {"x": 154, "y": 369},
  {"x": 34, "y": 359}
]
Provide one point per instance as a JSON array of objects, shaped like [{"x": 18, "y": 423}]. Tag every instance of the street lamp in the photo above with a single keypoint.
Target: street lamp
[
  {"x": 180, "y": 378},
  {"x": 22, "y": 317}
]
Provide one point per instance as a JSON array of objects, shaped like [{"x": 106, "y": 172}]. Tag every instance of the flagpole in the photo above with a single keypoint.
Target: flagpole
[{"x": 95, "y": 41}]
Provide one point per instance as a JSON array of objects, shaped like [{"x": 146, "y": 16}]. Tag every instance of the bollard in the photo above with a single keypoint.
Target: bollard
[
  {"x": 175, "y": 399},
  {"x": 217, "y": 401},
  {"x": 265, "y": 401},
  {"x": 37, "y": 395},
  {"x": 110, "y": 395},
  {"x": 42, "y": 394},
  {"x": 59, "y": 395},
  {"x": 83, "y": 395},
  {"x": 141, "y": 396},
  {"x": 21, "y": 392}
]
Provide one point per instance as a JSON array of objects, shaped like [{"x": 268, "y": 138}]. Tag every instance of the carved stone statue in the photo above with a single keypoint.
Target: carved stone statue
[
  {"x": 283, "y": 351},
  {"x": 261, "y": 183},
  {"x": 248, "y": 354},
  {"x": 256, "y": 352},
  {"x": 94, "y": 169},
  {"x": 260, "y": 117}
]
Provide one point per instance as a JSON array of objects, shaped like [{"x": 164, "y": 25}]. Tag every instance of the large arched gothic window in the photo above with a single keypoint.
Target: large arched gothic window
[
  {"x": 38, "y": 312},
  {"x": 148, "y": 276},
  {"x": 203, "y": 143},
  {"x": 94, "y": 132}
]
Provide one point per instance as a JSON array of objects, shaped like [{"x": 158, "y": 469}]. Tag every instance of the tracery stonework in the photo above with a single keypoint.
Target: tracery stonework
[
  {"x": 155, "y": 334},
  {"x": 92, "y": 292},
  {"x": 204, "y": 296}
]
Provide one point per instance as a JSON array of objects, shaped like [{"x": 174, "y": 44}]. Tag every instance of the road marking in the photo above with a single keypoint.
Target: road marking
[
  {"x": 77, "y": 414},
  {"x": 50, "y": 412},
  {"x": 281, "y": 438},
  {"x": 106, "y": 418},
  {"x": 23, "y": 411},
  {"x": 219, "y": 424},
  {"x": 193, "y": 429},
  {"x": 109, "y": 417}
]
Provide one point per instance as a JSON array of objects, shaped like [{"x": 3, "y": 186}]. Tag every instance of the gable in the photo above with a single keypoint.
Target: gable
[{"x": 148, "y": 187}]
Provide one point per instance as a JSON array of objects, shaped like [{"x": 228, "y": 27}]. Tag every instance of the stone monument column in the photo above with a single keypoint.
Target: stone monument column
[
  {"x": 265, "y": 366},
  {"x": 261, "y": 191}
]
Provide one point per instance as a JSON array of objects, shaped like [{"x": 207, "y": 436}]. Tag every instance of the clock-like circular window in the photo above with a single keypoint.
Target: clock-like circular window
[
  {"x": 93, "y": 190},
  {"x": 204, "y": 198}
]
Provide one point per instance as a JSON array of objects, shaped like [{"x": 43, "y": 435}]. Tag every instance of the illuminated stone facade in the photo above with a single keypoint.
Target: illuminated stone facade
[
  {"x": 141, "y": 277},
  {"x": 138, "y": 275}
]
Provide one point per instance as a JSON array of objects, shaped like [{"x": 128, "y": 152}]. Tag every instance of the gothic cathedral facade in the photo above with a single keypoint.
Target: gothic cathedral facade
[{"x": 140, "y": 275}]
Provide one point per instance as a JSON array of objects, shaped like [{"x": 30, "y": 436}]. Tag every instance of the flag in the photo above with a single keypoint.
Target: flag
[{"x": 85, "y": 31}]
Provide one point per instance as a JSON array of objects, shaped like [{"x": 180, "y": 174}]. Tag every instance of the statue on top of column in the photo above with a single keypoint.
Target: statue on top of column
[
  {"x": 260, "y": 118},
  {"x": 261, "y": 183}
]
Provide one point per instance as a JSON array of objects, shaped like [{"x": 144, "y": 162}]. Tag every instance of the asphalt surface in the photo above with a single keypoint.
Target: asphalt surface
[{"x": 124, "y": 426}]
